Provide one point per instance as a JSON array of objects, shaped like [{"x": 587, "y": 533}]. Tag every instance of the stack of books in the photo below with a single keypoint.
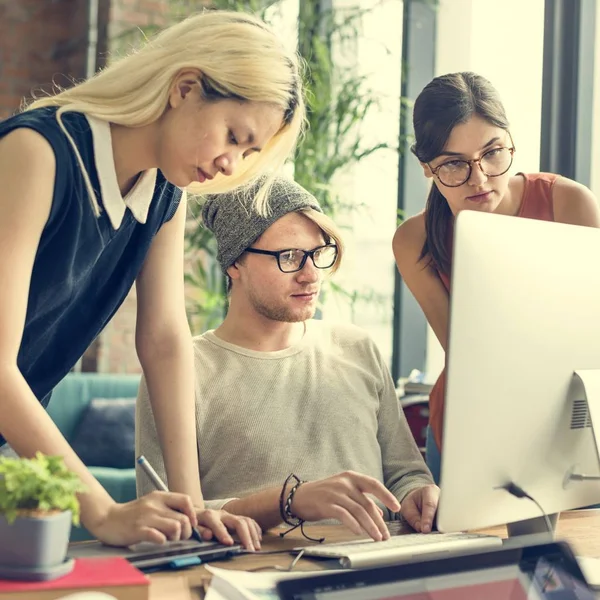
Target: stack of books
[
  {"x": 114, "y": 576},
  {"x": 416, "y": 383}
]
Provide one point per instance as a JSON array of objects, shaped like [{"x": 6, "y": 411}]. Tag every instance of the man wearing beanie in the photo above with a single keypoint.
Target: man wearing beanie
[{"x": 297, "y": 419}]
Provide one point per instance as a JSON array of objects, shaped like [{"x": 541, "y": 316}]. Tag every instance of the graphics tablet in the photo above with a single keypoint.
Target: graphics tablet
[{"x": 150, "y": 556}]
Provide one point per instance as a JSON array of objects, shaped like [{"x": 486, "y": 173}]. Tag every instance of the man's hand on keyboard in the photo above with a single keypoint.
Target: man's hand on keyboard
[
  {"x": 345, "y": 497},
  {"x": 419, "y": 506}
]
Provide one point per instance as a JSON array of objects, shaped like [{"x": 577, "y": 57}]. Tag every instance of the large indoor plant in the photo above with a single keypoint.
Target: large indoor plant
[{"x": 38, "y": 504}]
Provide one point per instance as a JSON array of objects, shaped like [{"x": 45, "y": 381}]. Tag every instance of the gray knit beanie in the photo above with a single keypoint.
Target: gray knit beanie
[{"x": 236, "y": 224}]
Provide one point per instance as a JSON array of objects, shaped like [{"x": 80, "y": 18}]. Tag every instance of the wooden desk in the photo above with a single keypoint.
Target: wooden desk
[{"x": 580, "y": 528}]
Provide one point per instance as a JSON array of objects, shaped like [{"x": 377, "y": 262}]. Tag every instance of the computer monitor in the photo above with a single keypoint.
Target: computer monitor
[{"x": 524, "y": 317}]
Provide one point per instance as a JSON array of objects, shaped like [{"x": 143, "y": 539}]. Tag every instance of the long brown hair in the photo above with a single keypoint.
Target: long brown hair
[{"x": 445, "y": 102}]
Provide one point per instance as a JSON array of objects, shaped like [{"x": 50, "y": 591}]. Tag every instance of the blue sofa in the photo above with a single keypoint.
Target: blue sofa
[{"x": 67, "y": 407}]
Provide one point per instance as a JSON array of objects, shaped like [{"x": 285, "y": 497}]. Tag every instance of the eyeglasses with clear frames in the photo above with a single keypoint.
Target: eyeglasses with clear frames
[
  {"x": 294, "y": 259},
  {"x": 456, "y": 172}
]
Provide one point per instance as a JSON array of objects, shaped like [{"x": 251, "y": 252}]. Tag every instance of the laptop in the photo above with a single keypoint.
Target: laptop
[
  {"x": 524, "y": 571},
  {"x": 146, "y": 556}
]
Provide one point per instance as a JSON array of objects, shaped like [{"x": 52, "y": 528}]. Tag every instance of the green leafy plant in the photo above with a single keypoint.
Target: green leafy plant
[
  {"x": 206, "y": 290},
  {"x": 38, "y": 485},
  {"x": 338, "y": 101}
]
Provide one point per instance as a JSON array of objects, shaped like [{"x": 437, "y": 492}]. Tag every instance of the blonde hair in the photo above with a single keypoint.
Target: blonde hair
[
  {"x": 238, "y": 57},
  {"x": 331, "y": 231}
]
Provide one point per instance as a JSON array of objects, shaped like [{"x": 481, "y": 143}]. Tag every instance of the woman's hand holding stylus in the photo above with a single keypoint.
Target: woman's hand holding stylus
[{"x": 159, "y": 517}]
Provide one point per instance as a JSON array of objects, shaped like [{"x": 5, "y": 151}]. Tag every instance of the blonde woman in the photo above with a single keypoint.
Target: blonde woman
[{"x": 90, "y": 202}]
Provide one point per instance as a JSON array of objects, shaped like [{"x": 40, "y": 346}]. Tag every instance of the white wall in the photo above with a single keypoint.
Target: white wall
[
  {"x": 595, "y": 182},
  {"x": 503, "y": 41},
  {"x": 369, "y": 265}
]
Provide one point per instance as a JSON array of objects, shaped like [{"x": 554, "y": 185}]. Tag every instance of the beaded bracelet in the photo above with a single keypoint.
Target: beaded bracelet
[
  {"x": 285, "y": 506},
  {"x": 285, "y": 509},
  {"x": 288, "y": 503}
]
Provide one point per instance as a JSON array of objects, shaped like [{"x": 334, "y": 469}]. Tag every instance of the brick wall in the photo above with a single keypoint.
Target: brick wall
[
  {"x": 39, "y": 41},
  {"x": 129, "y": 20},
  {"x": 115, "y": 351}
]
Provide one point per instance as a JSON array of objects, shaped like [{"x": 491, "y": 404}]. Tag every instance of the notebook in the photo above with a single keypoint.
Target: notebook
[{"x": 115, "y": 576}]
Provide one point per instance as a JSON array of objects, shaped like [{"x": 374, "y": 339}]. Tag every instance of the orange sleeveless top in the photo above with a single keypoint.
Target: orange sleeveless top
[{"x": 535, "y": 204}]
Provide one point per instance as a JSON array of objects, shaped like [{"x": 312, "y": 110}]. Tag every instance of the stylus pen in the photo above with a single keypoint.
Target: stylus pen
[{"x": 159, "y": 484}]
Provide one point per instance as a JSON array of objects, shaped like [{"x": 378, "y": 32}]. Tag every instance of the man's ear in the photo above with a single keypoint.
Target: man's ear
[
  {"x": 233, "y": 271},
  {"x": 186, "y": 82},
  {"x": 426, "y": 170}
]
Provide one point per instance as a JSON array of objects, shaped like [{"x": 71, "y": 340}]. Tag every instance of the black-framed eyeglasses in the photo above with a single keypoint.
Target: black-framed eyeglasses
[
  {"x": 294, "y": 259},
  {"x": 493, "y": 163}
]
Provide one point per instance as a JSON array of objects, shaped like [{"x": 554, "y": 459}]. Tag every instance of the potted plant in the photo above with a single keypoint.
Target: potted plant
[{"x": 38, "y": 503}]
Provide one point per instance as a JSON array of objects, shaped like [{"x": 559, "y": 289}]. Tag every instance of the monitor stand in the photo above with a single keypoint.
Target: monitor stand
[
  {"x": 535, "y": 526},
  {"x": 589, "y": 379}
]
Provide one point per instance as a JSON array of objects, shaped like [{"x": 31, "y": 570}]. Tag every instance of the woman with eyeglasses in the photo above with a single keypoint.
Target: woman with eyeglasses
[{"x": 464, "y": 145}]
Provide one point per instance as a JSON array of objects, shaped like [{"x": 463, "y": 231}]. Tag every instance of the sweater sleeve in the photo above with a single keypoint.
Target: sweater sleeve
[{"x": 404, "y": 469}]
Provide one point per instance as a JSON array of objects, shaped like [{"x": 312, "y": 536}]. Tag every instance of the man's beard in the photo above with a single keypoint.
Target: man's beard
[{"x": 284, "y": 314}]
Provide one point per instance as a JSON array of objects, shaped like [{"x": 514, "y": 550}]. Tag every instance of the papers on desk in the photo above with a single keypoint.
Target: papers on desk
[
  {"x": 228, "y": 584},
  {"x": 591, "y": 570}
]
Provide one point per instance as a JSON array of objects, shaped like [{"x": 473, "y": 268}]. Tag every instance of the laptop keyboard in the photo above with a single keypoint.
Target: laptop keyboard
[{"x": 363, "y": 553}]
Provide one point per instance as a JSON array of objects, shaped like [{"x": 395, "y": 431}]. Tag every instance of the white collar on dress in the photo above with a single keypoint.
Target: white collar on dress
[{"x": 139, "y": 197}]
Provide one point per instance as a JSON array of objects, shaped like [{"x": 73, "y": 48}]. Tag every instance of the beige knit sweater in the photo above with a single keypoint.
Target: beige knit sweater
[{"x": 320, "y": 407}]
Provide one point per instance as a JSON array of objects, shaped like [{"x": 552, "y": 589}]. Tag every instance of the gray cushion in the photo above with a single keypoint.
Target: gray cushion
[{"x": 105, "y": 436}]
